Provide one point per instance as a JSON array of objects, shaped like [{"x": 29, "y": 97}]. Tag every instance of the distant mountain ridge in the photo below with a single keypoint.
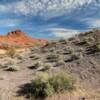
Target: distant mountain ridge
[{"x": 20, "y": 38}]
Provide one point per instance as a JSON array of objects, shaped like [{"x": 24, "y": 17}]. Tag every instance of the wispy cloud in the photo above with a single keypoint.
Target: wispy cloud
[
  {"x": 95, "y": 23},
  {"x": 9, "y": 22},
  {"x": 61, "y": 32}
]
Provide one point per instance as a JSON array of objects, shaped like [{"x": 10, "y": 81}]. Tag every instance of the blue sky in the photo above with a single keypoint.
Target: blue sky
[{"x": 49, "y": 18}]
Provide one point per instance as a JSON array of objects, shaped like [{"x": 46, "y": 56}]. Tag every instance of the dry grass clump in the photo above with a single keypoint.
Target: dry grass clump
[{"x": 13, "y": 66}]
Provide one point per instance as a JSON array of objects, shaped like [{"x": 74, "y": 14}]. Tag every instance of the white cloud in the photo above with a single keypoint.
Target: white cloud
[
  {"x": 44, "y": 8},
  {"x": 94, "y": 23},
  {"x": 63, "y": 33},
  {"x": 9, "y": 22},
  {"x": 91, "y": 22},
  {"x": 3, "y": 8}
]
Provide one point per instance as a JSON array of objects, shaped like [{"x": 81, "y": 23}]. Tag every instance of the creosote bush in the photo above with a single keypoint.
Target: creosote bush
[
  {"x": 62, "y": 82},
  {"x": 41, "y": 85},
  {"x": 45, "y": 85}
]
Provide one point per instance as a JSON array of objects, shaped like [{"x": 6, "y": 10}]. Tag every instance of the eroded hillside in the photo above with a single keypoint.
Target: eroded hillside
[{"x": 78, "y": 56}]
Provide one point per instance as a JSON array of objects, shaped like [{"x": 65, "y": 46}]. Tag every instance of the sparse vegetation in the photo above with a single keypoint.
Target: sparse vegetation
[{"x": 42, "y": 65}]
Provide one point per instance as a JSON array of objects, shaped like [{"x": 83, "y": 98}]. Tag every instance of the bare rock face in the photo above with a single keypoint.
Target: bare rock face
[{"x": 18, "y": 37}]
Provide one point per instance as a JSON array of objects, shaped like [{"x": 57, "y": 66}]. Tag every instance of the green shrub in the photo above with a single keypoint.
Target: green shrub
[
  {"x": 62, "y": 82},
  {"x": 45, "y": 85},
  {"x": 41, "y": 85}
]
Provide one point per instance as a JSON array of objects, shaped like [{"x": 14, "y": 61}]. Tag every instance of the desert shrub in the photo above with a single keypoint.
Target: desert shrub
[
  {"x": 69, "y": 50},
  {"x": 62, "y": 81},
  {"x": 37, "y": 64},
  {"x": 60, "y": 62},
  {"x": 35, "y": 57},
  {"x": 53, "y": 57},
  {"x": 52, "y": 49},
  {"x": 76, "y": 56},
  {"x": 41, "y": 86},
  {"x": 13, "y": 68},
  {"x": 45, "y": 85},
  {"x": 87, "y": 40},
  {"x": 63, "y": 41},
  {"x": 47, "y": 66},
  {"x": 80, "y": 50}
]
